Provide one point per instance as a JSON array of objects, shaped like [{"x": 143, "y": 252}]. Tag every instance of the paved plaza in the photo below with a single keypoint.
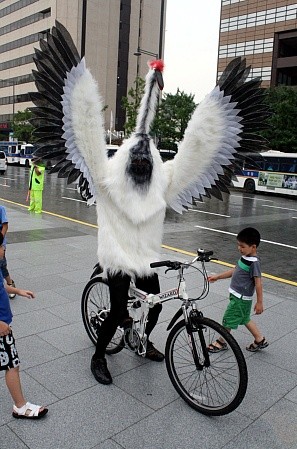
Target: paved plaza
[{"x": 140, "y": 410}]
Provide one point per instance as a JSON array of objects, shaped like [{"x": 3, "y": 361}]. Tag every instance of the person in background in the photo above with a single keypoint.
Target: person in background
[
  {"x": 36, "y": 184},
  {"x": 3, "y": 261}
]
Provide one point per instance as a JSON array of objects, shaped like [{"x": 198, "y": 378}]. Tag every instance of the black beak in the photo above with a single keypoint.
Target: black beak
[{"x": 159, "y": 78}]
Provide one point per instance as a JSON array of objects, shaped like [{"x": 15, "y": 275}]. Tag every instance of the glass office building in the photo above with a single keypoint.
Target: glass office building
[
  {"x": 107, "y": 32},
  {"x": 265, "y": 33}
]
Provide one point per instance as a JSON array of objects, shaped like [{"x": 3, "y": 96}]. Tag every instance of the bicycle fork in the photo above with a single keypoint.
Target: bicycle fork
[{"x": 193, "y": 325}]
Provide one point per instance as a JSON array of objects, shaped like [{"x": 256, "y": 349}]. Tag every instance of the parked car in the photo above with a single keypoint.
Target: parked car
[
  {"x": 111, "y": 150},
  {"x": 3, "y": 163},
  {"x": 167, "y": 155}
]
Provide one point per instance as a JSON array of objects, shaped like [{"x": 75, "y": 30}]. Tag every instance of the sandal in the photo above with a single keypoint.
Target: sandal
[
  {"x": 29, "y": 411},
  {"x": 253, "y": 347},
  {"x": 213, "y": 348}
]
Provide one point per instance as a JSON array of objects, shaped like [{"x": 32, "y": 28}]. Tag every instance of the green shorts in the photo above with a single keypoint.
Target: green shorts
[{"x": 237, "y": 313}]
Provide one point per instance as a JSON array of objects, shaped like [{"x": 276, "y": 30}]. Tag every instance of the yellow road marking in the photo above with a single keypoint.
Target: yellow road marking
[
  {"x": 226, "y": 264},
  {"x": 170, "y": 248},
  {"x": 53, "y": 214}
]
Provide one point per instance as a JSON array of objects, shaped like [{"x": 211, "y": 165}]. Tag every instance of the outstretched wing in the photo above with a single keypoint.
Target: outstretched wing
[
  {"x": 67, "y": 116},
  {"x": 223, "y": 124}
]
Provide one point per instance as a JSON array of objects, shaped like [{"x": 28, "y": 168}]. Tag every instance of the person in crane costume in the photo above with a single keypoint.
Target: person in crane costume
[{"x": 133, "y": 188}]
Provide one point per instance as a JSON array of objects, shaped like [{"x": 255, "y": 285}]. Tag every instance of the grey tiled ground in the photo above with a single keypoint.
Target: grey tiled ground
[{"x": 141, "y": 410}]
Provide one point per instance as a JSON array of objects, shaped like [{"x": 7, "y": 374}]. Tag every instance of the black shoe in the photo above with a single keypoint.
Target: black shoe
[
  {"x": 100, "y": 371},
  {"x": 152, "y": 353},
  {"x": 127, "y": 323}
]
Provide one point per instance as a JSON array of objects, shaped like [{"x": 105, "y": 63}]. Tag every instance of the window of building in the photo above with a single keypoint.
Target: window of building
[
  {"x": 229, "y": 2},
  {"x": 25, "y": 22},
  {"x": 23, "y": 41},
  {"x": 16, "y": 62},
  {"x": 287, "y": 47},
  {"x": 22, "y": 79},
  {"x": 246, "y": 48},
  {"x": 15, "y": 7},
  {"x": 22, "y": 98},
  {"x": 273, "y": 15},
  {"x": 263, "y": 72}
]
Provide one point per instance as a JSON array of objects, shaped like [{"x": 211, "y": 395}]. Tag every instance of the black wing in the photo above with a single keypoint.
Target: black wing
[
  {"x": 67, "y": 93},
  {"x": 223, "y": 124}
]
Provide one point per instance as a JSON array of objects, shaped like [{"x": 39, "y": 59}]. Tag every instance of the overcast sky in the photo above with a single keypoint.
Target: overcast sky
[{"x": 191, "y": 46}]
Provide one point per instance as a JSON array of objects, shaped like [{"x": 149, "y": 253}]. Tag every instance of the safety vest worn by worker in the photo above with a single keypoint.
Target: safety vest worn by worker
[{"x": 36, "y": 181}]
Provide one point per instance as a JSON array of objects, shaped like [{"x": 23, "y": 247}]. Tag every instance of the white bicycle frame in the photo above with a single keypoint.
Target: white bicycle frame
[{"x": 145, "y": 301}]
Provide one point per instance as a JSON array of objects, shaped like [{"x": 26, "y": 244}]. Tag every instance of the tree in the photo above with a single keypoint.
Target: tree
[
  {"x": 282, "y": 131},
  {"x": 172, "y": 118},
  {"x": 131, "y": 104},
  {"x": 22, "y": 128}
]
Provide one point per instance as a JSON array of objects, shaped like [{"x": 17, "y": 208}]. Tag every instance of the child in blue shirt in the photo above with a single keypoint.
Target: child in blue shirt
[
  {"x": 3, "y": 262},
  {"x": 9, "y": 360}
]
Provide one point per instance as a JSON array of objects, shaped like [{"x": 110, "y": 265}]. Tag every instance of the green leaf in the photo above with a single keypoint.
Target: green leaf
[{"x": 22, "y": 128}]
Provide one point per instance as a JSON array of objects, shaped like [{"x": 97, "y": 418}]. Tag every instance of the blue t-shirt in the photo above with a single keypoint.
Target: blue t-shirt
[
  {"x": 3, "y": 219},
  {"x": 5, "y": 310}
]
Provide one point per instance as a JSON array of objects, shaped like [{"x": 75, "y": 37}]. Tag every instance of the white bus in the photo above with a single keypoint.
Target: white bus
[
  {"x": 272, "y": 171},
  {"x": 25, "y": 153},
  {"x": 11, "y": 151}
]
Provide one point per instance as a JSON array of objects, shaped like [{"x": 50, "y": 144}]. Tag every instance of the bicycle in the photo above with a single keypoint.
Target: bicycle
[{"x": 211, "y": 383}]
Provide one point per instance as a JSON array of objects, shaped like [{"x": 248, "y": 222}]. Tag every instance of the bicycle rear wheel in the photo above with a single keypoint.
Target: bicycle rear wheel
[
  {"x": 95, "y": 306},
  {"x": 214, "y": 390}
]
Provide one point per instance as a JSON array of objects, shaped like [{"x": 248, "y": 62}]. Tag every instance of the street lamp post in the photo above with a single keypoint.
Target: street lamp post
[
  {"x": 13, "y": 108},
  {"x": 140, "y": 51},
  {"x": 10, "y": 83},
  {"x": 13, "y": 101}
]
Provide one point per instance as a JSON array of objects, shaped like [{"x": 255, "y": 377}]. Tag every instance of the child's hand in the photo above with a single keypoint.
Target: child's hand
[
  {"x": 26, "y": 293},
  {"x": 4, "y": 329},
  {"x": 258, "y": 308},
  {"x": 212, "y": 278}
]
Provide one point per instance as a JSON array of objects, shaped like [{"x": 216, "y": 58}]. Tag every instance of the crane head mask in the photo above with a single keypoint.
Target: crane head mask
[{"x": 140, "y": 163}]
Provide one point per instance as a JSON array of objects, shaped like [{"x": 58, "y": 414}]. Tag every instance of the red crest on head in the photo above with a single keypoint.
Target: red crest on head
[{"x": 157, "y": 64}]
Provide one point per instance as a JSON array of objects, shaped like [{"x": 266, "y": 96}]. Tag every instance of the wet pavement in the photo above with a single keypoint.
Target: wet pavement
[
  {"x": 212, "y": 224},
  {"x": 54, "y": 257}
]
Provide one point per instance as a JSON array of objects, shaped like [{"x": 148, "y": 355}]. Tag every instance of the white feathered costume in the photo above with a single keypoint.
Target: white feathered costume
[{"x": 133, "y": 188}]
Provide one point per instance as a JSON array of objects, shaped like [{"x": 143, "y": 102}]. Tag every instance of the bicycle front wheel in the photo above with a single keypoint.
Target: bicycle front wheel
[
  {"x": 216, "y": 389},
  {"x": 95, "y": 307}
]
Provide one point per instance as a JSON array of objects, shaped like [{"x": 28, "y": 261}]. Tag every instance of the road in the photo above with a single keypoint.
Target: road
[{"x": 212, "y": 224}]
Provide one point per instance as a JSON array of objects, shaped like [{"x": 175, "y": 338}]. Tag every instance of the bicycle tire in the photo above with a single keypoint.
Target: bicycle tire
[
  {"x": 209, "y": 390},
  {"x": 95, "y": 299}
]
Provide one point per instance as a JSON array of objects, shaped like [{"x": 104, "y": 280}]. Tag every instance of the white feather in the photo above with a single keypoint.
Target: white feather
[
  {"x": 209, "y": 143},
  {"x": 130, "y": 220},
  {"x": 83, "y": 125}
]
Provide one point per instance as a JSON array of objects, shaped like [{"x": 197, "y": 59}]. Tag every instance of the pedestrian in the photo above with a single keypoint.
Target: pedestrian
[
  {"x": 36, "y": 183},
  {"x": 9, "y": 359},
  {"x": 245, "y": 279},
  {"x": 3, "y": 261}
]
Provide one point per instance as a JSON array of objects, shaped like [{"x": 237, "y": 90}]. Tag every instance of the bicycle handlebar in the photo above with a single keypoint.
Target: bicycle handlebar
[
  {"x": 203, "y": 256},
  {"x": 166, "y": 263}
]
